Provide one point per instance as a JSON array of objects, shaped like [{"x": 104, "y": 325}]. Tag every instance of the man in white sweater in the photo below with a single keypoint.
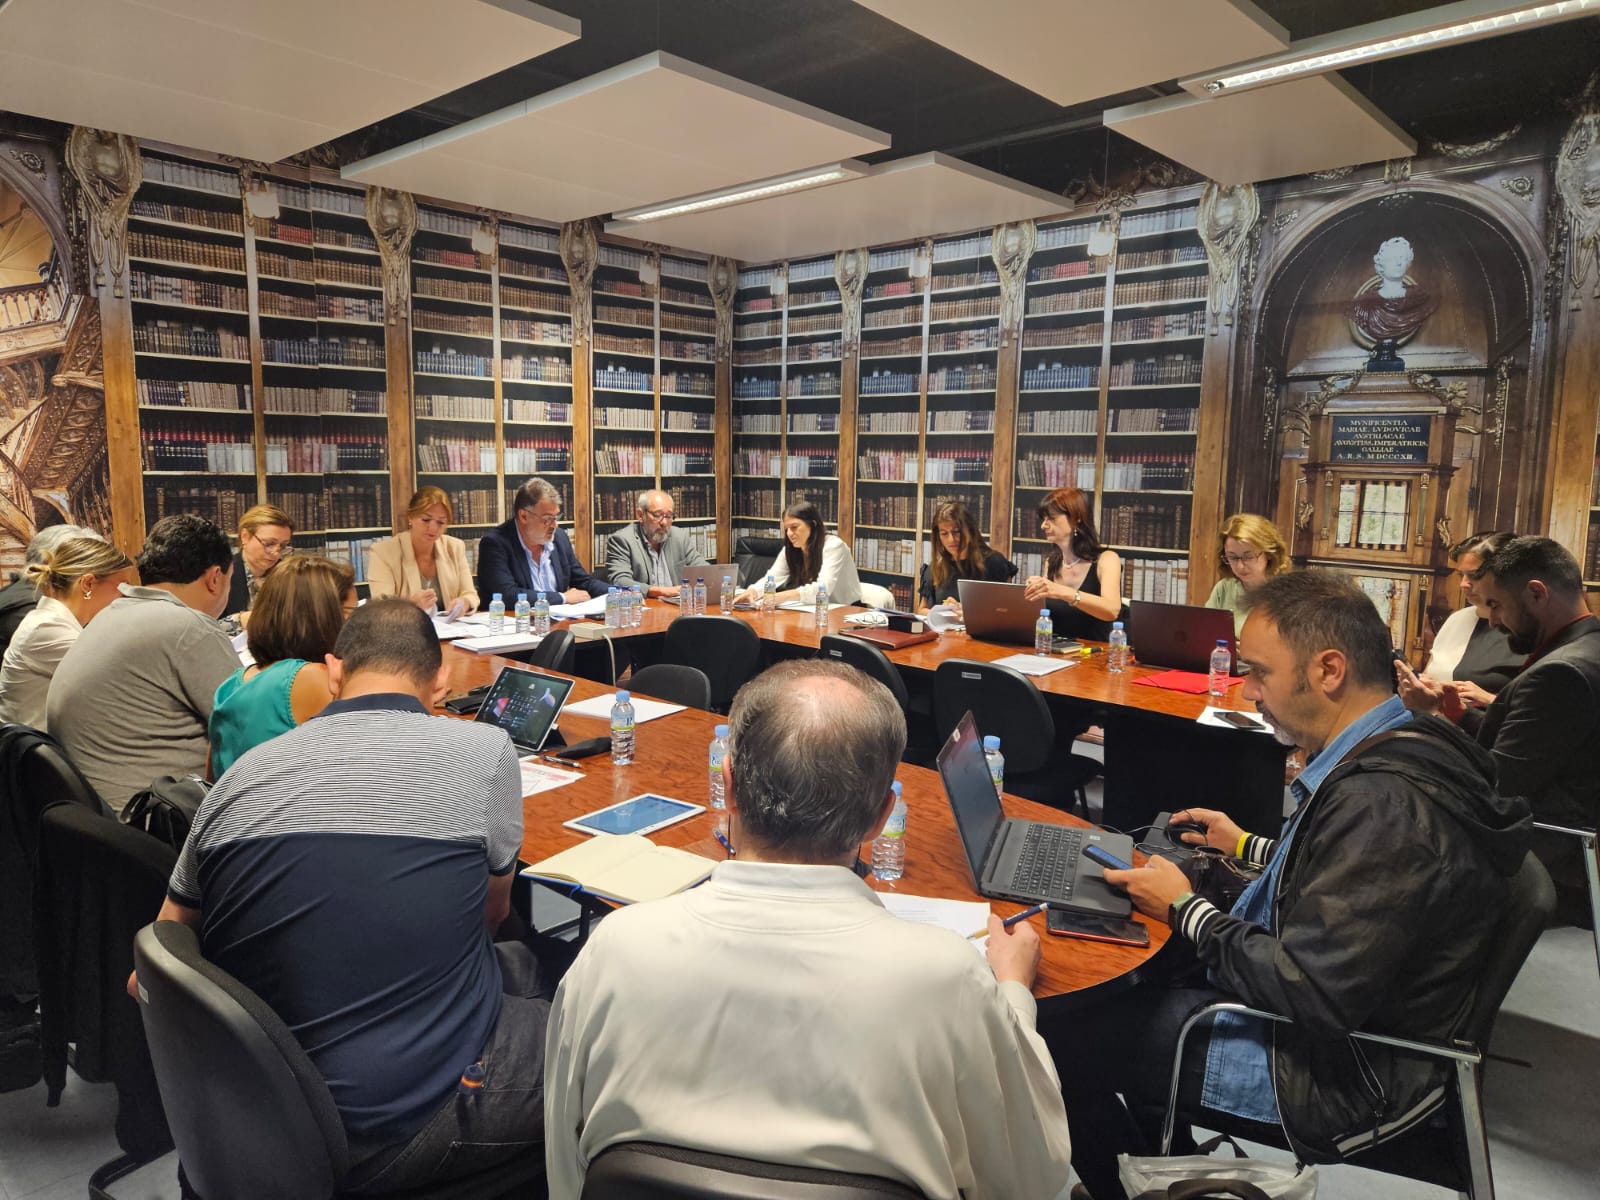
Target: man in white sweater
[{"x": 779, "y": 1013}]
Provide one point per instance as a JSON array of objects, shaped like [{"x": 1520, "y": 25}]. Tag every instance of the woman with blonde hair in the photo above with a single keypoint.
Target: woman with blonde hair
[
  {"x": 265, "y": 533},
  {"x": 75, "y": 581},
  {"x": 424, "y": 564},
  {"x": 960, "y": 551},
  {"x": 296, "y": 620},
  {"x": 1250, "y": 551}
]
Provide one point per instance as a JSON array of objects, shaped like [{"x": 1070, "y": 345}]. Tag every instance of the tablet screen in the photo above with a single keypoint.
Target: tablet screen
[{"x": 638, "y": 815}]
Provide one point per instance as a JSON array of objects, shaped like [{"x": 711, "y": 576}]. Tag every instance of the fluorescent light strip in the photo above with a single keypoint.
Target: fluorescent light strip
[
  {"x": 1451, "y": 23},
  {"x": 799, "y": 181}
]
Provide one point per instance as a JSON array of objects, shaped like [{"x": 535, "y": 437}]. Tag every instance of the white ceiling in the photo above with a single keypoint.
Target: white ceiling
[
  {"x": 1072, "y": 52},
  {"x": 261, "y": 79},
  {"x": 912, "y": 197},
  {"x": 1312, "y": 124},
  {"x": 651, "y": 129}
]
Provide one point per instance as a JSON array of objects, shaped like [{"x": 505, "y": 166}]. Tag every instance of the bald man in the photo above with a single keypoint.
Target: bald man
[{"x": 650, "y": 552}]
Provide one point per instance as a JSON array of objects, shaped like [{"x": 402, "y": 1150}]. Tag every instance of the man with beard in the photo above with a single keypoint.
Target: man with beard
[
  {"x": 531, "y": 553},
  {"x": 651, "y": 554},
  {"x": 1356, "y": 921}
]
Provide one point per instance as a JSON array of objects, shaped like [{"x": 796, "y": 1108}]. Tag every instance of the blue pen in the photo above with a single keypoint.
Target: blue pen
[
  {"x": 726, "y": 844},
  {"x": 1012, "y": 920}
]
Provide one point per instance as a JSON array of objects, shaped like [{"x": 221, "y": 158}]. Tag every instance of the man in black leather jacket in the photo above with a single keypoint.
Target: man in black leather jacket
[{"x": 1371, "y": 912}]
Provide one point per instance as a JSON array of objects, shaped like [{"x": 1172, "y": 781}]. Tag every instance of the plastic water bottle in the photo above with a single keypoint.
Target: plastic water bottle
[
  {"x": 996, "y": 761},
  {"x": 719, "y": 751},
  {"x": 726, "y": 600},
  {"x": 700, "y": 596},
  {"x": 685, "y": 597},
  {"x": 822, "y": 607},
  {"x": 635, "y": 607},
  {"x": 1117, "y": 659},
  {"x": 1044, "y": 633},
  {"x": 497, "y": 614},
  {"x": 622, "y": 730},
  {"x": 612, "y": 611},
  {"x": 541, "y": 616},
  {"x": 769, "y": 589},
  {"x": 1221, "y": 669},
  {"x": 889, "y": 847},
  {"x": 522, "y": 612}
]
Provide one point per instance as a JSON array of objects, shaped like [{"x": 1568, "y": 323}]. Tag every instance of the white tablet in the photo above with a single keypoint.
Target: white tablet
[{"x": 641, "y": 814}]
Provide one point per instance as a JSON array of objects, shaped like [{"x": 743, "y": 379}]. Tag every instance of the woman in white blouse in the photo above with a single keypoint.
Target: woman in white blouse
[
  {"x": 812, "y": 557},
  {"x": 75, "y": 581}
]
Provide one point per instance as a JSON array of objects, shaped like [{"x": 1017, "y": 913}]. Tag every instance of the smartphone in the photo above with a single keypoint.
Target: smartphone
[
  {"x": 1240, "y": 720},
  {"x": 1097, "y": 929},
  {"x": 1105, "y": 858}
]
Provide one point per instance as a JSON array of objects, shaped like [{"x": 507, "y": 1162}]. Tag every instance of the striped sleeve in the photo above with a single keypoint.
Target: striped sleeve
[
  {"x": 1192, "y": 915},
  {"x": 1257, "y": 850},
  {"x": 505, "y": 811}
]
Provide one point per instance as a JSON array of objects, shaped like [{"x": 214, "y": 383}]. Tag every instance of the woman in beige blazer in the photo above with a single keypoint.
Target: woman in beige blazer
[{"x": 423, "y": 564}]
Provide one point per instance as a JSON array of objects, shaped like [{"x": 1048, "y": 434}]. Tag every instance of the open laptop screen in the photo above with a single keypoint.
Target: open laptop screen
[
  {"x": 970, "y": 789},
  {"x": 525, "y": 704}
]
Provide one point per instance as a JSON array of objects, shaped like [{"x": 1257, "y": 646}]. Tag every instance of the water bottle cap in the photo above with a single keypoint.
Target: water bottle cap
[
  {"x": 1116, "y": 624},
  {"x": 1044, "y": 612},
  {"x": 991, "y": 742},
  {"x": 722, "y": 731},
  {"x": 498, "y": 596},
  {"x": 522, "y": 595},
  {"x": 1222, "y": 643},
  {"x": 727, "y": 579},
  {"x": 622, "y": 697},
  {"x": 898, "y": 787}
]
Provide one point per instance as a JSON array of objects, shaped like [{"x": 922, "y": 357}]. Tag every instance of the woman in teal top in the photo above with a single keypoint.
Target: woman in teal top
[{"x": 292, "y": 628}]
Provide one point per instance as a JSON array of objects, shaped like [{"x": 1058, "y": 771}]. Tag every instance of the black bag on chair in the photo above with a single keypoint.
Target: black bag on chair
[{"x": 166, "y": 809}]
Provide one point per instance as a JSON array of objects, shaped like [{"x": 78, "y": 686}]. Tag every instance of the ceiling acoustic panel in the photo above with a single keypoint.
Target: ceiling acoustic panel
[
  {"x": 1313, "y": 124},
  {"x": 648, "y": 130},
  {"x": 260, "y": 79},
  {"x": 1071, "y": 52},
  {"x": 912, "y": 197}
]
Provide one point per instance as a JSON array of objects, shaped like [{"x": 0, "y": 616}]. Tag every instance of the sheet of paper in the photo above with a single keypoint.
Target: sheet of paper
[
  {"x": 1036, "y": 664},
  {"x": 498, "y": 643},
  {"x": 541, "y": 777},
  {"x": 1211, "y": 717},
  {"x": 961, "y": 917},
  {"x": 600, "y": 706},
  {"x": 449, "y": 632},
  {"x": 802, "y": 606},
  {"x": 594, "y": 606},
  {"x": 942, "y": 618}
]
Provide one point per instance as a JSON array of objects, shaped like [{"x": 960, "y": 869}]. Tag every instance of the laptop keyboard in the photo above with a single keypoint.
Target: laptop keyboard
[{"x": 1048, "y": 862}]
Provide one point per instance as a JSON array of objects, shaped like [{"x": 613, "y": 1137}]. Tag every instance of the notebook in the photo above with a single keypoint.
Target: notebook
[
  {"x": 996, "y": 612},
  {"x": 1015, "y": 859},
  {"x": 713, "y": 574},
  {"x": 1179, "y": 635},
  {"x": 624, "y": 867},
  {"x": 525, "y": 704}
]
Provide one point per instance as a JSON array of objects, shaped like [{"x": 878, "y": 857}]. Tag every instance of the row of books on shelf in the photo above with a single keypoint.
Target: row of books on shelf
[
  {"x": 1156, "y": 472},
  {"x": 521, "y": 297},
  {"x": 442, "y": 257},
  {"x": 683, "y": 420},
  {"x": 1082, "y": 300},
  {"x": 984, "y": 277},
  {"x": 356, "y": 551},
  {"x": 1158, "y": 526},
  {"x": 754, "y": 388},
  {"x": 196, "y": 341},
  {"x": 971, "y": 308},
  {"x": 1152, "y": 370},
  {"x": 277, "y": 265},
  {"x": 891, "y": 347},
  {"x": 472, "y": 290},
  {"x": 775, "y": 463},
  {"x": 222, "y": 506},
  {"x": 550, "y": 411},
  {"x": 900, "y": 512},
  {"x": 622, "y": 378},
  {"x": 342, "y": 308},
  {"x": 191, "y": 175},
  {"x": 963, "y": 377},
  {"x": 548, "y": 333},
  {"x": 529, "y": 456},
  {"x": 1054, "y": 237},
  {"x": 690, "y": 501},
  {"x": 759, "y": 329},
  {"x": 677, "y": 295},
  {"x": 1058, "y": 337},
  {"x": 813, "y": 422},
  {"x": 1050, "y": 377},
  {"x": 895, "y": 556},
  {"x": 326, "y": 454},
  {"x": 960, "y": 420},
  {"x": 433, "y": 320},
  {"x": 328, "y": 401},
  {"x": 474, "y": 506},
  {"x": 687, "y": 459},
  {"x": 823, "y": 384},
  {"x": 1591, "y": 558},
  {"x": 973, "y": 246},
  {"x": 906, "y": 315},
  {"x": 623, "y": 343},
  {"x": 221, "y": 219},
  {"x": 620, "y": 459},
  {"x": 889, "y": 382},
  {"x": 291, "y": 304},
  {"x": 457, "y": 454},
  {"x": 527, "y": 368},
  {"x": 1155, "y": 291},
  {"x": 1153, "y": 420},
  {"x": 618, "y": 314},
  {"x": 338, "y": 270},
  {"x": 1056, "y": 470},
  {"x": 328, "y": 352},
  {"x": 198, "y": 393},
  {"x": 705, "y": 352},
  {"x": 441, "y": 220},
  {"x": 1067, "y": 420},
  {"x": 325, "y": 235},
  {"x": 1072, "y": 268},
  {"x": 617, "y": 417},
  {"x": 1159, "y": 325},
  {"x": 702, "y": 537},
  {"x": 815, "y": 351},
  {"x": 894, "y": 287},
  {"x": 196, "y": 451},
  {"x": 197, "y": 292},
  {"x": 1161, "y": 220},
  {"x": 689, "y": 383},
  {"x": 1136, "y": 260},
  {"x": 983, "y": 338},
  {"x": 758, "y": 423}
]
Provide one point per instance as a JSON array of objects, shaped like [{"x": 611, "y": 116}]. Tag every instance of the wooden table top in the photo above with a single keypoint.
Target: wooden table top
[{"x": 670, "y": 757}]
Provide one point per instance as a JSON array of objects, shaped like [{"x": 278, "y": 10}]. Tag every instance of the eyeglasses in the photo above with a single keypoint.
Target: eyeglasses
[
  {"x": 272, "y": 547},
  {"x": 545, "y": 518},
  {"x": 1241, "y": 560},
  {"x": 662, "y": 515}
]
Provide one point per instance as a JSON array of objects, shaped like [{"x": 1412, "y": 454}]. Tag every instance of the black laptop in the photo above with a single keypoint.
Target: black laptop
[
  {"x": 1181, "y": 636},
  {"x": 1014, "y": 859},
  {"x": 525, "y": 704}
]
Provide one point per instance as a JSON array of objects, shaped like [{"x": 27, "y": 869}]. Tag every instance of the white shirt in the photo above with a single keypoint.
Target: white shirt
[
  {"x": 36, "y": 649},
  {"x": 838, "y": 574},
  {"x": 1450, "y": 643},
  {"x": 780, "y": 1013}
]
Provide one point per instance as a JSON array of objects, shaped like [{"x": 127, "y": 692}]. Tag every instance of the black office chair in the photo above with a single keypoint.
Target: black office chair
[
  {"x": 755, "y": 556},
  {"x": 252, "y": 1117},
  {"x": 555, "y": 653},
  {"x": 674, "y": 683},
  {"x": 651, "y": 1171},
  {"x": 1451, "y": 1148},
  {"x": 725, "y": 648},
  {"x": 1007, "y": 705}
]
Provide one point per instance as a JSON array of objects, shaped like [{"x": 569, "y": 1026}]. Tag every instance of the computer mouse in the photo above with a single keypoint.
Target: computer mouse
[{"x": 1176, "y": 830}]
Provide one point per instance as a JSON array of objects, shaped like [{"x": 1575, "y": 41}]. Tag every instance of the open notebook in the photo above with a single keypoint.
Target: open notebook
[{"x": 626, "y": 867}]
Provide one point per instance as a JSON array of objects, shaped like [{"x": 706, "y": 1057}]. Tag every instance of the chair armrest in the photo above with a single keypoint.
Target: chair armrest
[{"x": 1587, "y": 836}]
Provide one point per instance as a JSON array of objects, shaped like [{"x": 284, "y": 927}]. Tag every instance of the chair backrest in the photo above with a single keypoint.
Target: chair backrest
[
  {"x": 674, "y": 683},
  {"x": 1005, "y": 703},
  {"x": 755, "y": 556},
  {"x": 725, "y": 648},
  {"x": 651, "y": 1171},
  {"x": 875, "y": 595},
  {"x": 868, "y": 658},
  {"x": 250, "y": 1115},
  {"x": 555, "y": 652},
  {"x": 1530, "y": 899}
]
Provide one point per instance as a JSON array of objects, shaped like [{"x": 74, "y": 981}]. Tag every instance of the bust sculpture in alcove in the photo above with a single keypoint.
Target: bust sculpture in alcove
[{"x": 1389, "y": 308}]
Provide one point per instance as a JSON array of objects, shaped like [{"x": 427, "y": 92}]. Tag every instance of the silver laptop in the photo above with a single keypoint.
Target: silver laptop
[
  {"x": 996, "y": 612},
  {"x": 713, "y": 574},
  {"x": 1181, "y": 636},
  {"x": 525, "y": 704},
  {"x": 1016, "y": 859}
]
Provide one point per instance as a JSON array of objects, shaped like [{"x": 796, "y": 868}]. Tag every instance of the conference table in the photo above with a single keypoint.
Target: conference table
[{"x": 670, "y": 757}]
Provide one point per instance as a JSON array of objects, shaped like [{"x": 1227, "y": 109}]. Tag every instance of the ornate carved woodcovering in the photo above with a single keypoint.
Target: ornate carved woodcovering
[
  {"x": 1577, "y": 168},
  {"x": 392, "y": 217},
  {"x": 722, "y": 278},
  {"x": 580, "y": 254},
  {"x": 1226, "y": 220},
  {"x": 108, "y": 170},
  {"x": 1011, "y": 246},
  {"x": 850, "y": 269}
]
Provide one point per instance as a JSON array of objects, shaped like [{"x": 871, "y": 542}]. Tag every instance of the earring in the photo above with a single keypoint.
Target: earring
[{"x": 86, "y": 592}]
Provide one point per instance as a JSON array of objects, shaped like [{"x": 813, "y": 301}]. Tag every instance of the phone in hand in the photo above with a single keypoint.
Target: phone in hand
[
  {"x": 1105, "y": 858},
  {"x": 1115, "y": 930}
]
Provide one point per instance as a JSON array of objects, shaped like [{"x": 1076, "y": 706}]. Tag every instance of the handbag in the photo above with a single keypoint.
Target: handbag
[
  {"x": 1193, "y": 1176},
  {"x": 166, "y": 809}
]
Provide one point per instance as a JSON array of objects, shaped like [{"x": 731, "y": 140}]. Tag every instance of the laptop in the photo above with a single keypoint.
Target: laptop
[
  {"x": 1179, "y": 635},
  {"x": 713, "y": 574},
  {"x": 525, "y": 704},
  {"x": 996, "y": 612},
  {"x": 1015, "y": 859}
]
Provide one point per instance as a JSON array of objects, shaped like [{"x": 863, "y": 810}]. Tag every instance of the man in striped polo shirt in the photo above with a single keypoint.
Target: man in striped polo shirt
[{"x": 351, "y": 873}]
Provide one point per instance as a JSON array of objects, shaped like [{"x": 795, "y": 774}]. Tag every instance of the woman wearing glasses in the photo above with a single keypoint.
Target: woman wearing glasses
[
  {"x": 424, "y": 564},
  {"x": 296, "y": 620},
  {"x": 1251, "y": 551},
  {"x": 265, "y": 532}
]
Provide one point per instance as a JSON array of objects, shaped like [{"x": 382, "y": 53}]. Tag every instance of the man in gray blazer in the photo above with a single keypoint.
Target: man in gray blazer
[{"x": 650, "y": 552}]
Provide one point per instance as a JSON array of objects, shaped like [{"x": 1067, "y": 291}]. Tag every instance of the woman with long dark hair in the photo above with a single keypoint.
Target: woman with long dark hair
[
  {"x": 960, "y": 551},
  {"x": 811, "y": 556},
  {"x": 1082, "y": 580}
]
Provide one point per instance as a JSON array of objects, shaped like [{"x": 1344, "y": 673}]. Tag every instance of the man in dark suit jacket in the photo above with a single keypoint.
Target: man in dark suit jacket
[{"x": 531, "y": 553}]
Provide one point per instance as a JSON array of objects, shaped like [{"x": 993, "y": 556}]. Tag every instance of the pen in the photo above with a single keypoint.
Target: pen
[
  {"x": 1012, "y": 920},
  {"x": 726, "y": 844}
]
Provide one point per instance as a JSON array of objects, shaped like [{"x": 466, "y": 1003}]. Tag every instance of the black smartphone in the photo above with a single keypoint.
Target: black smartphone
[
  {"x": 1097, "y": 929},
  {"x": 1105, "y": 858},
  {"x": 1240, "y": 720}
]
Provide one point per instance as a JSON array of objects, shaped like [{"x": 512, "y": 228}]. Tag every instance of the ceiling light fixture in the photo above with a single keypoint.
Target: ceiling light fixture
[
  {"x": 1449, "y": 24},
  {"x": 759, "y": 190}
]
